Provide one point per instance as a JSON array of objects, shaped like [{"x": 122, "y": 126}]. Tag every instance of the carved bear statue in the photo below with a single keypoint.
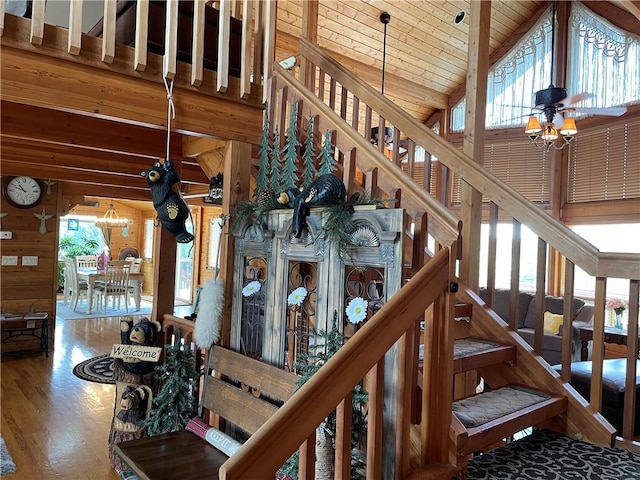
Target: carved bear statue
[{"x": 171, "y": 208}]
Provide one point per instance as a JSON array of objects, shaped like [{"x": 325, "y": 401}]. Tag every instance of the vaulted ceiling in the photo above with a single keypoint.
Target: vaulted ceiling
[{"x": 425, "y": 70}]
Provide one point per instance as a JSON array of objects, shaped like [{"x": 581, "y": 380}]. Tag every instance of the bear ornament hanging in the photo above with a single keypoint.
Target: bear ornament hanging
[{"x": 171, "y": 208}]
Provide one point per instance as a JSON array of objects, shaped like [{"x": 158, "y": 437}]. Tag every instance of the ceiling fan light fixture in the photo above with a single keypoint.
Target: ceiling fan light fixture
[
  {"x": 550, "y": 133},
  {"x": 533, "y": 126},
  {"x": 569, "y": 127}
]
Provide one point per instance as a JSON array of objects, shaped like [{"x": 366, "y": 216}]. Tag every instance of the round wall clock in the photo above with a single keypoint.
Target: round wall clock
[{"x": 22, "y": 192}]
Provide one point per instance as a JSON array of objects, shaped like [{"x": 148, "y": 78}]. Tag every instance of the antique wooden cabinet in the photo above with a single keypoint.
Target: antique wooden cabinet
[{"x": 271, "y": 263}]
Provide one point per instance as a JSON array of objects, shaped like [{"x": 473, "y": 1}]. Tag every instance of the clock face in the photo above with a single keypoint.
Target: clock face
[{"x": 23, "y": 192}]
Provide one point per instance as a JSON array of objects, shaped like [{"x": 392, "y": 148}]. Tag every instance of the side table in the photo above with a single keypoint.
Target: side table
[
  {"x": 28, "y": 325},
  {"x": 611, "y": 335}
]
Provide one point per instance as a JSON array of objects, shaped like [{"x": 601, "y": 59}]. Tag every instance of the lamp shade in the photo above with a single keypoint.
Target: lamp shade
[
  {"x": 550, "y": 133},
  {"x": 569, "y": 127},
  {"x": 533, "y": 126}
]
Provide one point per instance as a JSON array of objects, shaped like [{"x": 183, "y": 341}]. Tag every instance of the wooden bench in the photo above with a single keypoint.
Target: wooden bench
[{"x": 241, "y": 391}]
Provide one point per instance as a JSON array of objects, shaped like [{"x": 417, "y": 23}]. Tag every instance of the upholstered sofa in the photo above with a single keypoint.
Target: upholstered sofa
[{"x": 552, "y": 343}]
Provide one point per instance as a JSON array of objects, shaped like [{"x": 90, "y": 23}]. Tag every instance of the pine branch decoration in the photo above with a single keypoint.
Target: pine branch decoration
[
  {"x": 263, "y": 157},
  {"x": 327, "y": 162},
  {"x": 274, "y": 177},
  {"x": 310, "y": 171},
  {"x": 289, "y": 178}
]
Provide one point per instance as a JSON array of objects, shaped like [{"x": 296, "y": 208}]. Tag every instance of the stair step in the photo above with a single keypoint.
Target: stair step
[
  {"x": 491, "y": 416},
  {"x": 473, "y": 353},
  {"x": 463, "y": 311}
]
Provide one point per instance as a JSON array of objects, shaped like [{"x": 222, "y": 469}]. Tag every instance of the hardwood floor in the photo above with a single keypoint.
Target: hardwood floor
[{"x": 56, "y": 425}]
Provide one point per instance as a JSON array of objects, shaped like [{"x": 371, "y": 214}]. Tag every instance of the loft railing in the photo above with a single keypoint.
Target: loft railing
[
  {"x": 256, "y": 43},
  {"x": 350, "y": 108}
]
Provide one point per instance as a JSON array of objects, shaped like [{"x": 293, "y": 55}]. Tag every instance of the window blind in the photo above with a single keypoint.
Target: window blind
[
  {"x": 519, "y": 164},
  {"x": 604, "y": 164}
]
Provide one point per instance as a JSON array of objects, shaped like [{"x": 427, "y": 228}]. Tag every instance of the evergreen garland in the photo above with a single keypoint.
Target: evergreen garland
[
  {"x": 310, "y": 171},
  {"x": 274, "y": 177},
  {"x": 263, "y": 157},
  {"x": 174, "y": 405},
  {"x": 327, "y": 162},
  {"x": 326, "y": 345},
  {"x": 289, "y": 178}
]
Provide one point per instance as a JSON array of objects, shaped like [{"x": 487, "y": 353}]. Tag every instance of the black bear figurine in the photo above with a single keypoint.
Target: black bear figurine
[
  {"x": 327, "y": 189},
  {"x": 171, "y": 208}
]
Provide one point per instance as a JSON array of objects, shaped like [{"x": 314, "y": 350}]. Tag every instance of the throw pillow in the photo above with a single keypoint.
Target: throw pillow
[{"x": 552, "y": 322}]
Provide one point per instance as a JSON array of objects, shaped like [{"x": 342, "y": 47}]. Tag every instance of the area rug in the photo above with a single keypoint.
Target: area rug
[
  {"x": 6, "y": 462},
  {"x": 63, "y": 312},
  {"x": 97, "y": 369},
  {"x": 547, "y": 456}
]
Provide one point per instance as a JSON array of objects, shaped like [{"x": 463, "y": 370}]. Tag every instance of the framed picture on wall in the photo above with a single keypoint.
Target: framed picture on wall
[{"x": 73, "y": 224}]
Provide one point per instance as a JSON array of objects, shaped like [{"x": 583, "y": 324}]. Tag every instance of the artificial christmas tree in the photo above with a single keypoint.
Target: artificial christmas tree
[{"x": 175, "y": 404}]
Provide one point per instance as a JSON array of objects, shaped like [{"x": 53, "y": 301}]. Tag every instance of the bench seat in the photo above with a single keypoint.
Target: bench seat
[{"x": 191, "y": 457}]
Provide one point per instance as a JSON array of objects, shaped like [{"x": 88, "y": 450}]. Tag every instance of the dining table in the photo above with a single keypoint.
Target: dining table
[{"x": 92, "y": 275}]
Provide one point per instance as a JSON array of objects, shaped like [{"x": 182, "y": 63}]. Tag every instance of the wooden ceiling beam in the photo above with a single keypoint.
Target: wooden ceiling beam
[
  {"x": 42, "y": 81},
  {"x": 96, "y": 161},
  {"x": 64, "y": 128},
  {"x": 195, "y": 146},
  {"x": 77, "y": 189}
]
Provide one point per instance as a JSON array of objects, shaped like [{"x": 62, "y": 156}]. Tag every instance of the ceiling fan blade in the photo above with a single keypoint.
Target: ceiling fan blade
[
  {"x": 576, "y": 98},
  {"x": 609, "y": 111}
]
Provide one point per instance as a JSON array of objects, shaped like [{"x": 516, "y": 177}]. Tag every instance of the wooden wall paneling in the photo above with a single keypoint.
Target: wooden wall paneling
[{"x": 31, "y": 288}]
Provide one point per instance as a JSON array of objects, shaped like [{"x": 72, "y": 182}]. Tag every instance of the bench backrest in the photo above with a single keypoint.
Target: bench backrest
[{"x": 245, "y": 391}]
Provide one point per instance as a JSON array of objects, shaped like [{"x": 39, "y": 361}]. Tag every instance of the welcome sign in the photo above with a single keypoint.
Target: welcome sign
[{"x": 137, "y": 352}]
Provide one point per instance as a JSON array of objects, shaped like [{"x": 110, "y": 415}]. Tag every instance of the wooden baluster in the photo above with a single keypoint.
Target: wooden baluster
[
  {"x": 142, "y": 33},
  {"x": 411, "y": 159},
  {"x": 321, "y": 80},
  {"x": 632, "y": 364},
  {"x": 197, "y": 49},
  {"x": 37, "y": 22},
  {"x": 169, "y": 61},
  {"x": 491, "y": 255},
  {"x": 75, "y": 28},
  {"x": 375, "y": 382},
  {"x": 371, "y": 183},
  {"x": 516, "y": 242},
  {"x": 109, "y": 31},
  {"x": 224, "y": 35},
  {"x": 395, "y": 154},
  {"x": 343, "y": 438},
  {"x": 245, "y": 71},
  {"x": 541, "y": 270},
  {"x": 1, "y": 18},
  {"x": 567, "y": 320},
  {"x": 306, "y": 461}
]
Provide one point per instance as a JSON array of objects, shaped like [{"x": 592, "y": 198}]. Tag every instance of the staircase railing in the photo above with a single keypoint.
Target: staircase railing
[
  {"x": 350, "y": 108},
  {"x": 363, "y": 355}
]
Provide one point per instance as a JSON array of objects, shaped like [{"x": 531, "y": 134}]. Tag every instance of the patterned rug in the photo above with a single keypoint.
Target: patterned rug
[
  {"x": 547, "y": 456},
  {"x": 97, "y": 369},
  {"x": 6, "y": 462}
]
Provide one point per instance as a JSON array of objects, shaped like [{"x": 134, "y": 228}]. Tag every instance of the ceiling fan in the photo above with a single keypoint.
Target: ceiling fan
[{"x": 556, "y": 106}]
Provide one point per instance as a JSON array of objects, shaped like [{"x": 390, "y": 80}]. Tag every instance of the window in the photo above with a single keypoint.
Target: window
[
  {"x": 148, "y": 238},
  {"x": 512, "y": 81},
  {"x": 604, "y": 60},
  {"x": 528, "y": 256},
  {"x": 215, "y": 232}
]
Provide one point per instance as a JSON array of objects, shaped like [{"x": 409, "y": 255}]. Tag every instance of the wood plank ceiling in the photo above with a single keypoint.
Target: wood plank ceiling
[{"x": 425, "y": 70}]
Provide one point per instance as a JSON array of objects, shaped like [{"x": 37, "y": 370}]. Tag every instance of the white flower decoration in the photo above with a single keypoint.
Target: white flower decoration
[
  {"x": 357, "y": 310},
  {"x": 297, "y": 296},
  {"x": 251, "y": 288}
]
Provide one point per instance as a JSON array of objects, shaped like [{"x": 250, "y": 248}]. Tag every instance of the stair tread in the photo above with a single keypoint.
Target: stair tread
[
  {"x": 470, "y": 346},
  {"x": 495, "y": 404}
]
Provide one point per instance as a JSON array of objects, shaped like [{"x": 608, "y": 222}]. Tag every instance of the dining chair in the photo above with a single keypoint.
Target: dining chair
[
  {"x": 87, "y": 261},
  {"x": 116, "y": 280},
  {"x": 119, "y": 263},
  {"x": 74, "y": 289},
  {"x": 136, "y": 267}
]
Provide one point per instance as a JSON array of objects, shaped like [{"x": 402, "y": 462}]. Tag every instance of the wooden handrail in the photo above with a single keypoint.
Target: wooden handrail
[
  {"x": 260, "y": 456},
  {"x": 414, "y": 197},
  {"x": 560, "y": 237}
]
